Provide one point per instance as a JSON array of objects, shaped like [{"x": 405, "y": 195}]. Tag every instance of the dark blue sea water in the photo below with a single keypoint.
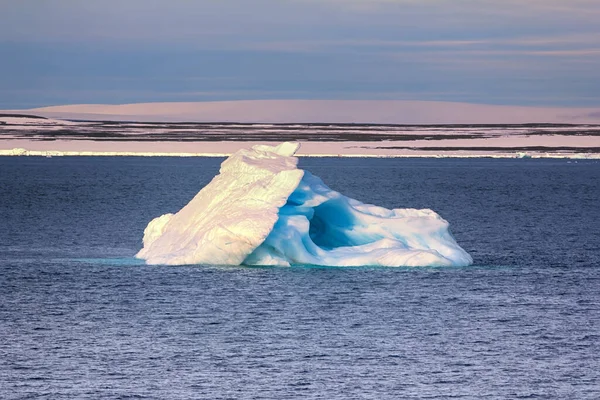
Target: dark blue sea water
[{"x": 79, "y": 318}]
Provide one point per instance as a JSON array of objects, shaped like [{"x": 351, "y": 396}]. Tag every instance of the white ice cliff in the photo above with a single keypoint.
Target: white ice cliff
[{"x": 262, "y": 210}]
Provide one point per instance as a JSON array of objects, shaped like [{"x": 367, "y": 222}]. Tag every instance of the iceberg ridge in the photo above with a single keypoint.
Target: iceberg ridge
[{"x": 262, "y": 210}]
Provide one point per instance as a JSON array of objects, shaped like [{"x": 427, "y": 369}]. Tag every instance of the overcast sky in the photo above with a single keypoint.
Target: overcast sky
[{"x": 516, "y": 52}]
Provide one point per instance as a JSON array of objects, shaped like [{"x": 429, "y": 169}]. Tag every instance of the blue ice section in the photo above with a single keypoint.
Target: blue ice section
[{"x": 319, "y": 226}]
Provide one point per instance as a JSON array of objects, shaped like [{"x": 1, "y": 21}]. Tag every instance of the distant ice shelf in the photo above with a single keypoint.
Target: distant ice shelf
[
  {"x": 422, "y": 154},
  {"x": 262, "y": 210}
]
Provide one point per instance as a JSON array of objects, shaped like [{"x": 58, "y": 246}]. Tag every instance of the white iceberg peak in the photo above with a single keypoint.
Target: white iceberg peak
[
  {"x": 231, "y": 216},
  {"x": 262, "y": 210}
]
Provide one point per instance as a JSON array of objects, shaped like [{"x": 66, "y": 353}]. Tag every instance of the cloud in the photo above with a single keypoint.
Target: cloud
[
  {"x": 475, "y": 50},
  {"x": 227, "y": 21},
  {"x": 592, "y": 115},
  {"x": 551, "y": 45}
]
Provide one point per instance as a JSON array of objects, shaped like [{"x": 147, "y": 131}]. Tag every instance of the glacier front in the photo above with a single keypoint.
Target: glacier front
[{"x": 262, "y": 210}]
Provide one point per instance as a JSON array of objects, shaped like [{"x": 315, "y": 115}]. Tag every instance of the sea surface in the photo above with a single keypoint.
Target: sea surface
[{"x": 81, "y": 318}]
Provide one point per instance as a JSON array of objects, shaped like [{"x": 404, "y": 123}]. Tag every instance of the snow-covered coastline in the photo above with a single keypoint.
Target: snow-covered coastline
[
  {"x": 447, "y": 154},
  {"x": 31, "y": 135}
]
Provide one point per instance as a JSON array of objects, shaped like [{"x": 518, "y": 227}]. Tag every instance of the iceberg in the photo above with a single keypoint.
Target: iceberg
[{"x": 261, "y": 209}]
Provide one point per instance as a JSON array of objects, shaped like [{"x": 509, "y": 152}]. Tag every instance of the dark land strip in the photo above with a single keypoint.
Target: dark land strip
[
  {"x": 313, "y": 132},
  {"x": 496, "y": 149}
]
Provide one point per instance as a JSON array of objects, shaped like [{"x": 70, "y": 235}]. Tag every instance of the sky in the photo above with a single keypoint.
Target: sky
[{"x": 509, "y": 52}]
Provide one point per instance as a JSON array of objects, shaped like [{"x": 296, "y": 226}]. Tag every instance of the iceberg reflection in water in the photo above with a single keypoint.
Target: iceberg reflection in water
[{"x": 262, "y": 210}]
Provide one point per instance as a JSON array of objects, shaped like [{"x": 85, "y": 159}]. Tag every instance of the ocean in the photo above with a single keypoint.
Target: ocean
[{"x": 81, "y": 318}]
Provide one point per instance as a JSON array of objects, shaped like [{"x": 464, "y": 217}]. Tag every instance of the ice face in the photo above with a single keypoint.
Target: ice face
[
  {"x": 262, "y": 210},
  {"x": 230, "y": 217}
]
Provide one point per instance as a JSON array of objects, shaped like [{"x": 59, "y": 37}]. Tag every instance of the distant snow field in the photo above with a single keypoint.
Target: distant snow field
[
  {"x": 41, "y": 132},
  {"x": 327, "y": 111}
]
